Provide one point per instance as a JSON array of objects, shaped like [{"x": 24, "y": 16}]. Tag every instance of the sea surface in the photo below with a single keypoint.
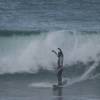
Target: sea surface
[{"x": 30, "y": 30}]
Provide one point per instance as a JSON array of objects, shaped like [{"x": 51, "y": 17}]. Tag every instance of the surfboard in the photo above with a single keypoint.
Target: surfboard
[{"x": 56, "y": 86}]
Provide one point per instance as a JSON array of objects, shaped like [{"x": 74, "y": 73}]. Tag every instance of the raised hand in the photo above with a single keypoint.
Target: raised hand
[{"x": 54, "y": 52}]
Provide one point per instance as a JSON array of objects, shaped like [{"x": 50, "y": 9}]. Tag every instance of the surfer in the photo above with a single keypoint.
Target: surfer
[{"x": 60, "y": 65}]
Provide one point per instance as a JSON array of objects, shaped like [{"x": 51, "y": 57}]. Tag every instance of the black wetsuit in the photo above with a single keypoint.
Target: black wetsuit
[{"x": 60, "y": 67}]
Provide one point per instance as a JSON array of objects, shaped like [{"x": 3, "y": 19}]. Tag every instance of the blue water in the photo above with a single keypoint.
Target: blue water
[{"x": 49, "y": 15}]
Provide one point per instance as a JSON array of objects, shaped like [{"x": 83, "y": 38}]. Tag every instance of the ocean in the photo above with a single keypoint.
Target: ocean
[{"x": 30, "y": 30}]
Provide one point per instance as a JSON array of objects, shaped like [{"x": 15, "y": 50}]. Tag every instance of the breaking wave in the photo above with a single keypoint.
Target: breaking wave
[{"x": 31, "y": 53}]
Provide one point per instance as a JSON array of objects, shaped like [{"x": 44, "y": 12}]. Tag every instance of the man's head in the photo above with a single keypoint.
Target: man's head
[
  {"x": 59, "y": 49},
  {"x": 60, "y": 53}
]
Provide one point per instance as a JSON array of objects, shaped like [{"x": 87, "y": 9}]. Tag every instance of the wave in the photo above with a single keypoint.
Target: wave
[{"x": 30, "y": 53}]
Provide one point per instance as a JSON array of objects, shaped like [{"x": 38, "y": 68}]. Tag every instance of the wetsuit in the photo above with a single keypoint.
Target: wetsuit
[{"x": 60, "y": 67}]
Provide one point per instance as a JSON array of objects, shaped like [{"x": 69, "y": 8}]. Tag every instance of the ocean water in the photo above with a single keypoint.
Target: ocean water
[{"x": 30, "y": 30}]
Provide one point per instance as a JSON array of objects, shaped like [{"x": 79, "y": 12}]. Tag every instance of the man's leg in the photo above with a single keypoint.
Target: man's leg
[{"x": 59, "y": 76}]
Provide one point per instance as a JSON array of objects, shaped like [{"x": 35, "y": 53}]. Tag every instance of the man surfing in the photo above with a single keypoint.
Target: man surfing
[{"x": 60, "y": 65}]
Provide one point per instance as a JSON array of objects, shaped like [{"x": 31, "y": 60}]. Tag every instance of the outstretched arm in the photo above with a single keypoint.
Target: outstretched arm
[{"x": 55, "y": 52}]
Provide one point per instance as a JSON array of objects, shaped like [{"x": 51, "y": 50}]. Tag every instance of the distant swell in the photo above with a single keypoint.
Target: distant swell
[{"x": 7, "y": 33}]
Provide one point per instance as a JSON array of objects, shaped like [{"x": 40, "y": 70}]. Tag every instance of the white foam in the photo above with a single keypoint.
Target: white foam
[{"x": 41, "y": 84}]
